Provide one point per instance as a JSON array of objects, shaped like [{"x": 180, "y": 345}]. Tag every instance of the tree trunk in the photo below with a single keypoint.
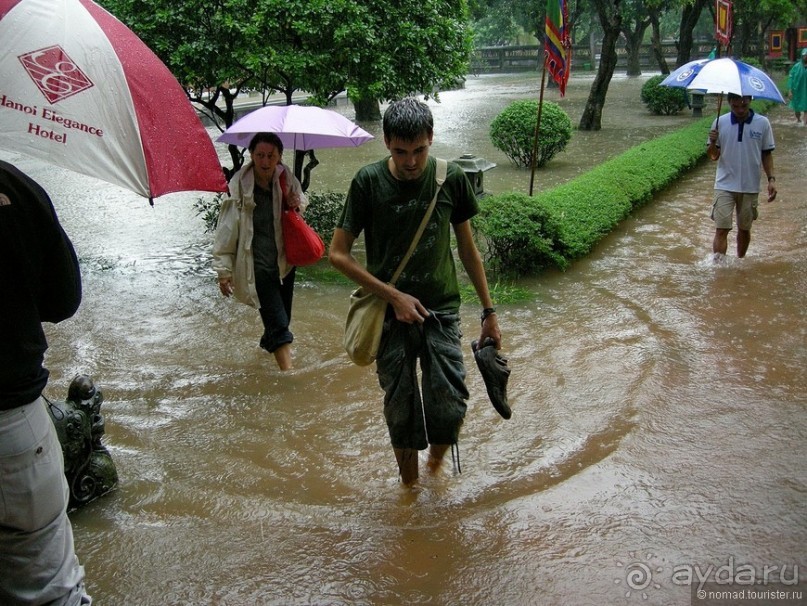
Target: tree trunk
[
  {"x": 611, "y": 22},
  {"x": 634, "y": 68},
  {"x": 633, "y": 44},
  {"x": 655, "y": 44},
  {"x": 747, "y": 31},
  {"x": 763, "y": 35},
  {"x": 367, "y": 109},
  {"x": 689, "y": 19},
  {"x": 303, "y": 173}
]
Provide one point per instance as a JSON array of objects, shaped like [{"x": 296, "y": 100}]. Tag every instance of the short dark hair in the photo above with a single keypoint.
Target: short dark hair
[
  {"x": 408, "y": 119},
  {"x": 270, "y": 138},
  {"x": 733, "y": 96}
]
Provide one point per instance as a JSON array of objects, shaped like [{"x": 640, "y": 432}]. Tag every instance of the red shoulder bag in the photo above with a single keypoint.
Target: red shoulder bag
[{"x": 302, "y": 244}]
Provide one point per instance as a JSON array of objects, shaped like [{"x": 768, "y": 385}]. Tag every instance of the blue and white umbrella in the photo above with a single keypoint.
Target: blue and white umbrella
[{"x": 724, "y": 75}]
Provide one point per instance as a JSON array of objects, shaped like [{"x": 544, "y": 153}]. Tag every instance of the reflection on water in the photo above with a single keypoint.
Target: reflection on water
[{"x": 658, "y": 406}]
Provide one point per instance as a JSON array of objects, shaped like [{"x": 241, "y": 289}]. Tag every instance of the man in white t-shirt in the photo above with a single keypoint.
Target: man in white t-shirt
[{"x": 742, "y": 142}]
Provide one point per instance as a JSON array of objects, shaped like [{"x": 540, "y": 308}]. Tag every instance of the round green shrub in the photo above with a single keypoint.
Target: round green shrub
[
  {"x": 666, "y": 100},
  {"x": 518, "y": 234},
  {"x": 513, "y": 131}
]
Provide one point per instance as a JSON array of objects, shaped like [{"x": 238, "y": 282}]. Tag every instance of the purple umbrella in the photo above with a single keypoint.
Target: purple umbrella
[{"x": 299, "y": 127}]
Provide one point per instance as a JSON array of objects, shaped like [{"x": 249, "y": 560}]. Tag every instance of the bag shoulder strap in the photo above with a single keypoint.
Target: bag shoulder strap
[
  {"x": 283, "y": 188},
  {"x": 440, "y": 177}
]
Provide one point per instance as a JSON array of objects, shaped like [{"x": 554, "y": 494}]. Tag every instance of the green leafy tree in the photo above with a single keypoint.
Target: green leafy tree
[
  {"x": 498, "y": 21},
  {"x": 656, "y": 9},
  {"x": 496, "y": 25},
  {"x": 302, "y": 45},
  {"x": 408, "y": 47}
]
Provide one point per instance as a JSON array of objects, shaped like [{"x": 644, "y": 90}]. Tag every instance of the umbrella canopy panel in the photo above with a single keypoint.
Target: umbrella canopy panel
[
  {"x": 681, "y": 77},
  {"x": 299, "y": 127},
  {"x": 78, "y": 89}
]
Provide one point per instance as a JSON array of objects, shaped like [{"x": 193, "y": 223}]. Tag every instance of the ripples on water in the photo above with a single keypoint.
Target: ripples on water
[{"x": 658, "y": 411}]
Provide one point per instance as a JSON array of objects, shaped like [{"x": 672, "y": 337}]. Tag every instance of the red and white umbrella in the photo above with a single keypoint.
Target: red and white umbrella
[{"x": 78, "y": 89}]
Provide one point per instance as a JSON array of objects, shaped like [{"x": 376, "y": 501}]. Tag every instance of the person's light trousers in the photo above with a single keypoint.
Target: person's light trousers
[{"x": 38, "y": 564}]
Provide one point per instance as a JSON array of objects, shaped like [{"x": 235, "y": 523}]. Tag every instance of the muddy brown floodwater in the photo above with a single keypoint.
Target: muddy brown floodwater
[{"x": 658, "y": 428}]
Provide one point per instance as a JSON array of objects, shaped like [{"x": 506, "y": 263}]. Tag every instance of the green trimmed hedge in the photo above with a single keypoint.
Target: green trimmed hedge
[{"x": 523, "y": 234}]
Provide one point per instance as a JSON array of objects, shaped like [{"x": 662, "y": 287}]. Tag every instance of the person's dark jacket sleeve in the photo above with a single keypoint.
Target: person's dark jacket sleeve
[
  {"x": 52, "y": 272},
  {"x": 41, "y": 282},
  {"x": 60, "y": 283}
]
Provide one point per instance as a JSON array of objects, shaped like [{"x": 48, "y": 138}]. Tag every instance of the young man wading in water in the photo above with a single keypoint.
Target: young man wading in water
[{"x": 387, "y": 201}]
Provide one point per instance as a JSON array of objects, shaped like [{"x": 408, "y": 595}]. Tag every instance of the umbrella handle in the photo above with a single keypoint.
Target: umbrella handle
[{"x": 719, "y": 104}]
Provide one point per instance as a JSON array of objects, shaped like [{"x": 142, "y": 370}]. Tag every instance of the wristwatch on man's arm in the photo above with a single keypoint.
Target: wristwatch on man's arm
[{"x": 488, "y": 311}]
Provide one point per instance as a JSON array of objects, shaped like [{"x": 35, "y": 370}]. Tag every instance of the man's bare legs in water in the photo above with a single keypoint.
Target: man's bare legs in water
[
  {"x": 720, "y": 243},
  {"x": 408, "y": 461}
]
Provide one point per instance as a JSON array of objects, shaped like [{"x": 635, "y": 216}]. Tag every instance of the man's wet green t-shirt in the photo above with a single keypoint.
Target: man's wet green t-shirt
[{"x": 389, "y": 212}]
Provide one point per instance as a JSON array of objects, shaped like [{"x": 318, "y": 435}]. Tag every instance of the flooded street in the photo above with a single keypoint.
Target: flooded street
[{"x": 658, "y": 400}]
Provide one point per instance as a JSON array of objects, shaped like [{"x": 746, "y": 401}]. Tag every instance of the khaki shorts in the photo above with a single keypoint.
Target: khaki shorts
[{"x": 725, "y": 204}]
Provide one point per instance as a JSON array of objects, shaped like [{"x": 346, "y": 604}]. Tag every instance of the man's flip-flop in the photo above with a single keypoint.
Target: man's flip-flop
[{"x": 495, "y": 373}]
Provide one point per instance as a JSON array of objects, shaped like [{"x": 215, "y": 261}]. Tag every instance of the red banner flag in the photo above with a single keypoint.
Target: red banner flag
[
  {"x": 723, "y": 22},
  {"x": 557, "y": 43}
]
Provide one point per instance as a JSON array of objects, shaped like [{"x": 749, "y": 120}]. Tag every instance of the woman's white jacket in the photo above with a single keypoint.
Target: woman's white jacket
[{"x": 232, "y": 248}]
